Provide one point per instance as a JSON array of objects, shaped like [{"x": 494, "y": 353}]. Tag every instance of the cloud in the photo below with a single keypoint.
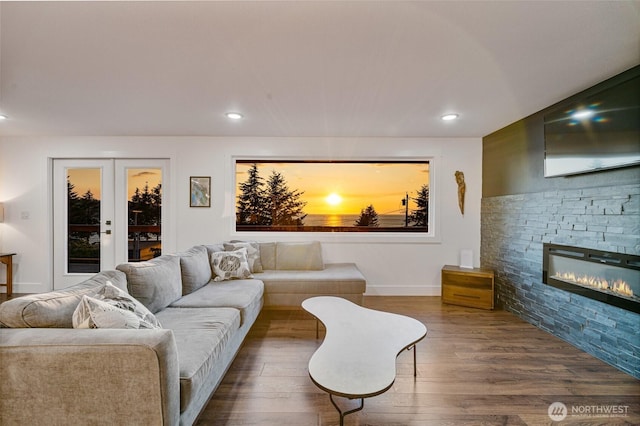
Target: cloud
[{"x": 145, "y": 173}]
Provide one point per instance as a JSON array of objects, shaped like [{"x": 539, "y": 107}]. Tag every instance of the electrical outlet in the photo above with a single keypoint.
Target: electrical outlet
[{"x": 24, "y": 215}]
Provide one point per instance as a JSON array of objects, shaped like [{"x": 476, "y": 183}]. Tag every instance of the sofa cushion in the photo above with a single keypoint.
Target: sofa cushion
[
  {"x": 305, "y": 256},
  {"x": 201, "y": 336},
  {"x": 112, "y": 307},
  {"x": 268, "y": 255},
  {"x": 289, "y": 288},
  {"x": 227, "y": 265},
  {"x": 155, "y": 283},
  {"x": 335, "y": 279},
  {"x": 55, "y": 308},
  {"x": 253, "y": 253},
  {"x": 245, "y": 295},
  {"x": 195, "y": 268}
]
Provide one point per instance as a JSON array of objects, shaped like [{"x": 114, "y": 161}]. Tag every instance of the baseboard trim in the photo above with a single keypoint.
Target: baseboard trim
[{"x": 389, "y": 290}]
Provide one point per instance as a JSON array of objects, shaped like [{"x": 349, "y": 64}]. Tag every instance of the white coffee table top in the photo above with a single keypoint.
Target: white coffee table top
[{"x": 357, "y": 358}]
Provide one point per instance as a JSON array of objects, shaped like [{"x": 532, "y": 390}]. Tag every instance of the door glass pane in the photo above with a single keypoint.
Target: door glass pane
[
  {"x": 83, "y": 220},
  {"x": 144, "y": 213}
]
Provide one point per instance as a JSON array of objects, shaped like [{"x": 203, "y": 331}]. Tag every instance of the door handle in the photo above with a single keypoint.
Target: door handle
[{"x": 108, "y": 231}]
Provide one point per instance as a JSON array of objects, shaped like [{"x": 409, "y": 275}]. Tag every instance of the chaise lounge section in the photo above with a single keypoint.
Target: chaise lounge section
[{"x": 295, "y": 271}]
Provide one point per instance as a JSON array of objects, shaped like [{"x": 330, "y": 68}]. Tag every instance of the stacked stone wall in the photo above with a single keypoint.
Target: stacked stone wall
[{"x": 514, "y": 229}]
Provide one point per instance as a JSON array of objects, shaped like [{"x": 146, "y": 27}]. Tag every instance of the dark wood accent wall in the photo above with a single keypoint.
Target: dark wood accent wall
[{"x": 513, "y": 157}]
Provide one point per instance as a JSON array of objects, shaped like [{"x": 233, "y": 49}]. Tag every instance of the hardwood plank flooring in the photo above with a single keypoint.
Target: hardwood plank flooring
[{"x": 475, "y": 367}]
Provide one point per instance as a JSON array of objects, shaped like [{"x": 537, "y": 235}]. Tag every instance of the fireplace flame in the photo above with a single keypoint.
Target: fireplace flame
[{"x": 617, "y": 286}]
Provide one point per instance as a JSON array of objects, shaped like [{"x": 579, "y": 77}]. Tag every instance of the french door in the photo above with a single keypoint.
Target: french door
[{"x": 105, "y": 212}]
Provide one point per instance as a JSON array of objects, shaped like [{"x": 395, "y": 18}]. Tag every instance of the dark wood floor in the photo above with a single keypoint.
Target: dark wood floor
[
  {"x": 4, "y": 298},
  {"x": 474, "y": 368}
]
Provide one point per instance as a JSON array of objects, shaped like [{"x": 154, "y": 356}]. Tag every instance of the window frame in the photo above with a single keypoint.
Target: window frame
[{"x": 431, "y": 236}]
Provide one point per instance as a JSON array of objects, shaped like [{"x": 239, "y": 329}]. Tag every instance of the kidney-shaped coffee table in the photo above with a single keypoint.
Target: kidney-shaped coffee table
[{"x": 357, "y": 358}]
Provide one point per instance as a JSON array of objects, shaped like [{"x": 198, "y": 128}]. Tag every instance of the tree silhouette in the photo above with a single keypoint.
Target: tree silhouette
[
  {"x": 368, "y": 217},
  {"x": 283, "y": 205},
  {"x": 83, "y": 210},
  {"x": 271, "y": 203},
  {"x": 420, "y": 216},
  {"x": 251, "y": 201},
  {"x": 145, "y": 207}
]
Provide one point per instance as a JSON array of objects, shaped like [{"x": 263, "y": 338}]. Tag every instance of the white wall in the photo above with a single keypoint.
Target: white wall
[{"x": 393, "y": 265}]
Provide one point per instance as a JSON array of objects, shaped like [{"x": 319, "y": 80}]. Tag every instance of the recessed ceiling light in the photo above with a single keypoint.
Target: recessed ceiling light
[
  {"x": 449, "y": 117},
  {"x": 234, "y": 115},
  {"x": 3, "y": 117}
]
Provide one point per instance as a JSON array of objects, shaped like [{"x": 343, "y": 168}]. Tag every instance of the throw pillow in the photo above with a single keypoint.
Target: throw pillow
[
  {"x": 303, "y": 256},
  {"x": 112, "y": 307},
  {"x": 253, "y": 253},
  {"x": 230, "y": 264}
]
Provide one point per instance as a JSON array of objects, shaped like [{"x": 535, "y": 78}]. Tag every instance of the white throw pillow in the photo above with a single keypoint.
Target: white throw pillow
[
  {"x": 112, "y": 307},
  {"x": 230, "y": 264}
]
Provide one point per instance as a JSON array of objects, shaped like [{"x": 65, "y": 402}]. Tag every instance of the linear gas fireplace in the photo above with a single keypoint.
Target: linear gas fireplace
[{"x": 612, "y": 278}]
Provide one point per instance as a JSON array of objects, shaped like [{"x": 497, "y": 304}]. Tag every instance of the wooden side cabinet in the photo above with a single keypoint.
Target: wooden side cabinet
[{"x": 467, "y": 287}]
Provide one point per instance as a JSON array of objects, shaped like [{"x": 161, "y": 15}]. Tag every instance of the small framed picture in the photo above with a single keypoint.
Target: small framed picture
[{"x": 200, "y": 194}]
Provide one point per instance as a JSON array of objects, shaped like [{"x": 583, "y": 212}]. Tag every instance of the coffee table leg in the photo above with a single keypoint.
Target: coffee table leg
[
  {"x": 415, "y": 371},
  {"x": 342, "y": 414}
]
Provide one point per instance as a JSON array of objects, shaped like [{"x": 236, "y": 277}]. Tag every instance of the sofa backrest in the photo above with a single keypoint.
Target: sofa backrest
[
  {"x": 292, "y": 256},
  {"x": 303, "y": 256},
  {"x": 195, "y": 268},
  {"x": 156, "y": 283},
  {"x": 55, "y": 308}
]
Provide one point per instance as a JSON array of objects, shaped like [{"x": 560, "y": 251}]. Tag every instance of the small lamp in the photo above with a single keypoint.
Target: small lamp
[{"x": 1, "y": 212}]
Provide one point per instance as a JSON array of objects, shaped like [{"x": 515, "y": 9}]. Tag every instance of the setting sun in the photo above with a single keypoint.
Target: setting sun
[{"x": 333, "y": 199}]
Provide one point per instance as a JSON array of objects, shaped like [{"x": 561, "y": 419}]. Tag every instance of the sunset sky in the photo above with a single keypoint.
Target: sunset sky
[
  {"x": 89, "y": 178},
  {"x": 354, "y": 185}
]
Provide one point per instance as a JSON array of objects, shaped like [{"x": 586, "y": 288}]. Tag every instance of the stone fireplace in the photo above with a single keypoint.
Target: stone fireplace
[
  {"x": 609, "y": 277},
  {"x": 517, "y": 231}
]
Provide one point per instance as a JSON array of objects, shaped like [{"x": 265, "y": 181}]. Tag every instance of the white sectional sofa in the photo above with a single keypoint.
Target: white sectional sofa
[{"x": 51, "y": 373}]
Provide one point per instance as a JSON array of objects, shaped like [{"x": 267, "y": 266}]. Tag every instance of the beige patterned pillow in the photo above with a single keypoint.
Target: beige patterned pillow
[
  {"x": 227, "y": 265},
  {"x": 253, "y": 253},
  {"x": 112, "y": 308}
]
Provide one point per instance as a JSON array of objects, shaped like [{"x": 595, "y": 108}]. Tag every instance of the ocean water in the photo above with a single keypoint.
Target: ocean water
[{"x": 384, "y": 220}]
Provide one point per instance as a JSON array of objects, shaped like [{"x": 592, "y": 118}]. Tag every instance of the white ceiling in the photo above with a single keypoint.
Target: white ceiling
[{"x": 307, "y": 68}]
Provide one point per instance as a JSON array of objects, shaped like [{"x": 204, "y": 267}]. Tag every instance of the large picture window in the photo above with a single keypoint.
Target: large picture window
[{"x": 332, "y": 196}]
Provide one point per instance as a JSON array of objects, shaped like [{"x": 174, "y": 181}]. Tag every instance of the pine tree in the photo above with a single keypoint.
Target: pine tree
[
  {"x": 283, "y": 206},
  {"x": 90, "y": 208},
  {"x": 83, "y": 210},
  {"x": 420, "y": 216},
  {"x": 74, "y": 213},
  {"x": 156, "y": 204},
  {"x": 368, "y": 217},
  {"x": 251, "y": 201}
]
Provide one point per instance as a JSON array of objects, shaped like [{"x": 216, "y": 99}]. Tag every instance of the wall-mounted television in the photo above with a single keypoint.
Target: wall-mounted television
[{"x": 599, "y": 131}]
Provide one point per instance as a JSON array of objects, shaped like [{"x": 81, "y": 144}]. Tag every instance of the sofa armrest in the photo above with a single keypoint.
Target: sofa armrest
[{"x": 70, "y": 376}]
